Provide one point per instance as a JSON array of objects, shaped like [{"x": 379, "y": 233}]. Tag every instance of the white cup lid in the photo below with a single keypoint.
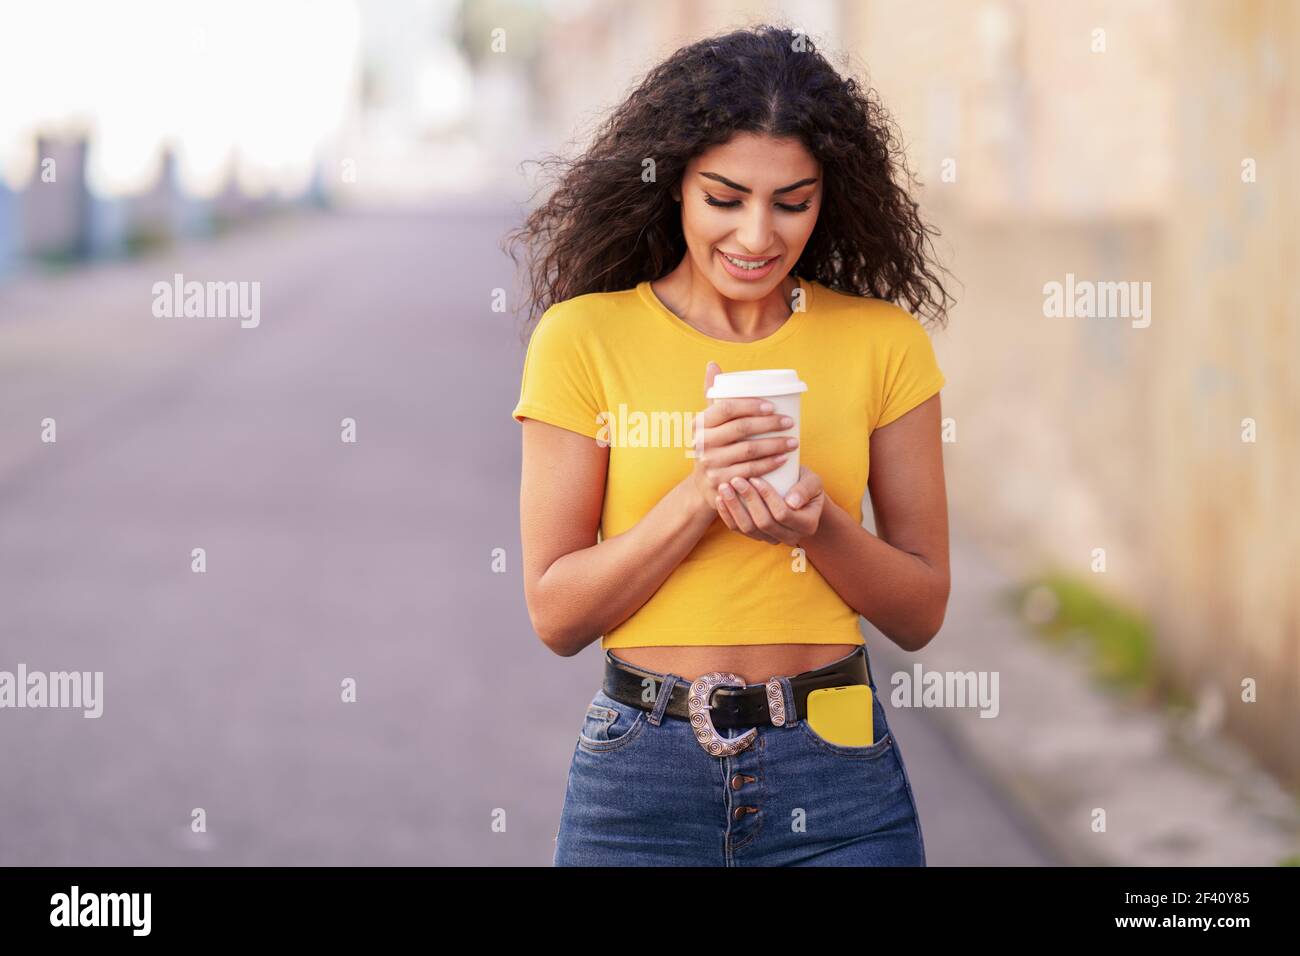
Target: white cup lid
[{"x": 756, "y": 384}]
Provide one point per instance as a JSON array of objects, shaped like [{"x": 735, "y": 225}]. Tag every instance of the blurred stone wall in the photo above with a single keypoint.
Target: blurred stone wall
[
  {"x": 1224, "y": 524},
  {"x": 1081, "y": 433}
]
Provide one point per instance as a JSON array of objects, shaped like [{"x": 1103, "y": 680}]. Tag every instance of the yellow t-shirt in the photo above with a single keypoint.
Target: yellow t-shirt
[{"x": 623, "y": 369}]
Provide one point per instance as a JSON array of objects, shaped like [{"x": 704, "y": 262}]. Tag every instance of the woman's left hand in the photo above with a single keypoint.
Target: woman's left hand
[{"x": 753, "y": 508}]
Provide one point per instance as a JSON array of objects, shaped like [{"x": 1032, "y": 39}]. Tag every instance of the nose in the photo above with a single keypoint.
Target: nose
[{"x": 755, "y": 235}]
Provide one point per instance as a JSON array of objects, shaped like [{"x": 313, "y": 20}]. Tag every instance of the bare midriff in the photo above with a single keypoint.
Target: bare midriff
[{"x": 753, "y": 663}]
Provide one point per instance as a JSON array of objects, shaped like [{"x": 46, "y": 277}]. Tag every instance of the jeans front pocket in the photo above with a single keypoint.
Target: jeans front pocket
[
  {"x": 610, "y": 724},
  {"x": 884, "y": 740}
]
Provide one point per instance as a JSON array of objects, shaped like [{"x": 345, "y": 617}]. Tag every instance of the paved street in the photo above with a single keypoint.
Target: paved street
[{"x": 326, "y": 561}]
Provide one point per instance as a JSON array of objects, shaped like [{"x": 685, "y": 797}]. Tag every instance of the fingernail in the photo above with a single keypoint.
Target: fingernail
[
  {"x": 792, "y": 501},
  {"x": 738, "y": 482},
  {"x": 767, "y": 407},
  {"x": 786, "y": 421}
]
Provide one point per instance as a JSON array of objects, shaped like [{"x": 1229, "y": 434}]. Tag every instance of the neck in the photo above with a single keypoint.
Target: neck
[{"x": 696, "y": 301}]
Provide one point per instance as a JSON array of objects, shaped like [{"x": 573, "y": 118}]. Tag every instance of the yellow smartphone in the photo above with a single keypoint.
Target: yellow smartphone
[{"x": 842, "y": 715}]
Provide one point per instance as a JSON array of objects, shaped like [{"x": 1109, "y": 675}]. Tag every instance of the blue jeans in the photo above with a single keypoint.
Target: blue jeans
[{"x": 643, "y": 792}]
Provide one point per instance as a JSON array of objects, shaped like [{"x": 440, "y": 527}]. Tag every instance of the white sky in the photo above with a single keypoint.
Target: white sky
[{"x": 269, "y": 80}]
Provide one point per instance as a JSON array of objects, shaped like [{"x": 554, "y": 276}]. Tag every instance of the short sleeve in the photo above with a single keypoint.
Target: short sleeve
[
  {"x": 557, "y": 385},
  {"x": 912, "y": 373}
]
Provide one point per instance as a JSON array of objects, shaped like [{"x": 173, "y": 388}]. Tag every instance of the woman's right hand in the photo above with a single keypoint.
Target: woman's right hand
[{"x": 724, "y": 448}]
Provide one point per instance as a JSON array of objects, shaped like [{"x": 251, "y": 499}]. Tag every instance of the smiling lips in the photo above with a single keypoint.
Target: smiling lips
[
  {"x": 747, "y": 266},
  {"x": 732, "y": 255}
]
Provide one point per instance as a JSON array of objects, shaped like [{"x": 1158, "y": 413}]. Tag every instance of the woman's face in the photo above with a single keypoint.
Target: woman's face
[{"x": 755, "y": 198}]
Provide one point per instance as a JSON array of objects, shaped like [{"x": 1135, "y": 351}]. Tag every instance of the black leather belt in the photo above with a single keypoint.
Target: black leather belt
[{"x": 745, "y": 706}]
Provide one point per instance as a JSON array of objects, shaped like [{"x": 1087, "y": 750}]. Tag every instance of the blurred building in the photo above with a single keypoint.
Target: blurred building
[{"x": 56, "y": 203}]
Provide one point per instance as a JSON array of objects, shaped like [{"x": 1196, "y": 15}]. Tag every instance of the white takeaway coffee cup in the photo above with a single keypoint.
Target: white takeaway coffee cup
[{"x": 781, "y": 387}]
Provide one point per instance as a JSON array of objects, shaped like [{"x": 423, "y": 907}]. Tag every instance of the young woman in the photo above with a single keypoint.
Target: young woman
[{"x": 743, "y": 209}]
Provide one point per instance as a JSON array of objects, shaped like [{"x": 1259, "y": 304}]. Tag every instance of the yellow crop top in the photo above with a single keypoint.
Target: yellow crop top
[{"x": 623, "y": 369}]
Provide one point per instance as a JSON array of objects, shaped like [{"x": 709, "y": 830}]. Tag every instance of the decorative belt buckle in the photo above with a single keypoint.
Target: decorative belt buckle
[{"x": 698, "y": 706}]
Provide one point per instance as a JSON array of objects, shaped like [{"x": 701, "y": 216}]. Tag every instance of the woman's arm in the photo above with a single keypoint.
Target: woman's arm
[
  {"x": 898, "y": 581},
  {"x": 577, "y": 589}
]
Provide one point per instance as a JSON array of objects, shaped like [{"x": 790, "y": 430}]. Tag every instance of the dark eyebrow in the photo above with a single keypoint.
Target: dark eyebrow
[{"x": 745, "y": 189}]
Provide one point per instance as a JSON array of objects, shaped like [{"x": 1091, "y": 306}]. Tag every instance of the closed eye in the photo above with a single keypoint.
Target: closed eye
[{"x": 803, "y": 206}]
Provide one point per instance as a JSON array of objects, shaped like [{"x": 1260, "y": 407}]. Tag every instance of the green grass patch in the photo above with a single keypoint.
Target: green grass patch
[
  {"x": 145, "y": 240},
  {"x": 1068, "y": 610},
  {"x": 58, "y": 260}
]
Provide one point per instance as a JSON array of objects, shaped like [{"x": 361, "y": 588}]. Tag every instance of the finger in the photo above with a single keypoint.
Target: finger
[
  {"x": 756, "y": 509},
  {"x": 724, "y": 409},
  {"x": 736, "y": 511},
  {"x": 749, "y": 450},
  {"x": 787, "y": 533},
  {"x": 738, "y": 429},
  {"x": 744, "y": 469},
  {"x": 710, "y": 370},
  {"x": 777, "y": 508},
  {"x": 724, "y": 512},
  {"x": 756, "y": 467},
  {"x": 739, "y": 513},
  {"x": 808, "y": 487}
]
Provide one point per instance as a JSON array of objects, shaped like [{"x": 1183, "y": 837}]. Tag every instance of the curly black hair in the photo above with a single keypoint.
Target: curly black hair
[{"x": 604, "y": 229}]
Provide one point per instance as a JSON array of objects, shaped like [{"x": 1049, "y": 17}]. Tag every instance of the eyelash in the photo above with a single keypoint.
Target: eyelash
[{"x": 802, "y": 207}]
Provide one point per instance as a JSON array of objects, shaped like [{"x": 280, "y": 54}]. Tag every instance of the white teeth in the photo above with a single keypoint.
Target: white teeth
[{"x": 745, "y": 265}]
